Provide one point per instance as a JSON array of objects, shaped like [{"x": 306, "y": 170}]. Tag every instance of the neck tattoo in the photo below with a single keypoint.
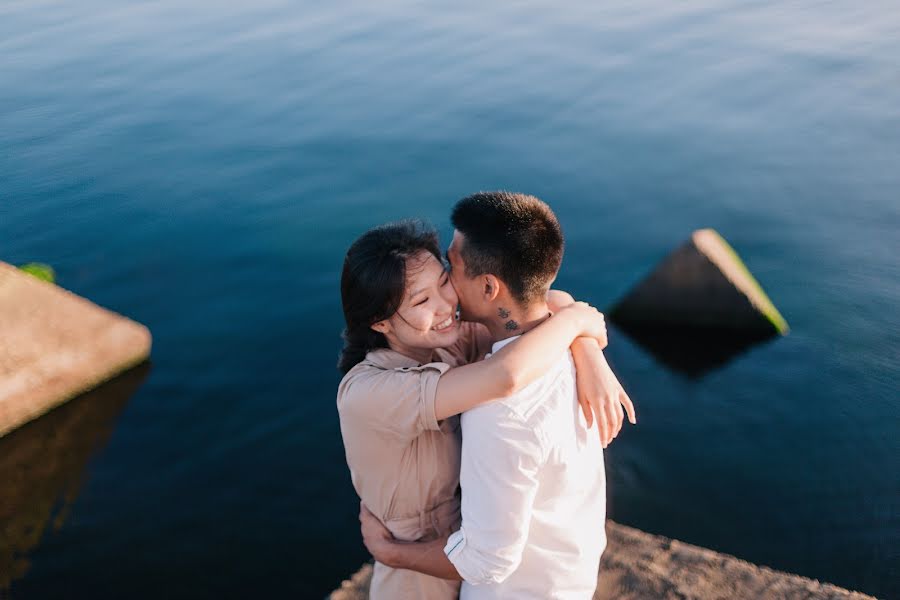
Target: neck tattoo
[{"x": 510, "y": 325}]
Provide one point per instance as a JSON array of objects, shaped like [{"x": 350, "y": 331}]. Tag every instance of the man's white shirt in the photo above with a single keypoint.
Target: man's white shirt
[{"x": 533, "y": 495}]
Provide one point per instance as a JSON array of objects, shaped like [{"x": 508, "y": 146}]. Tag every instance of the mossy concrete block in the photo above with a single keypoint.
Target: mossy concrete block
[
  {"x": 55, "y": 345},
  {"x": 705, "y": 284},
  {"x": 638, "y": 565}
]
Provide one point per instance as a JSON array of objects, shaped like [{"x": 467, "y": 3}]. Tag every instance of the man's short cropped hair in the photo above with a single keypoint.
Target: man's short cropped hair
[{"x": 513, "y": 236}]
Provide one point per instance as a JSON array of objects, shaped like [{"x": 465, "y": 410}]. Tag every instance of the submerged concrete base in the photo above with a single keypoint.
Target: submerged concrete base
[
  {"x": 702, "y": 284},
  {"x": 55, "y": 345},
  {"x": 640, "y": 565}
]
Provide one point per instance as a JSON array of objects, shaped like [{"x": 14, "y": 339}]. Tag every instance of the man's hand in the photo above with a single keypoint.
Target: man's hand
[
  {"x": 375, "y": 535},
  {"x": 424, "y": 557},
  {"x": 599, "y": 392}
]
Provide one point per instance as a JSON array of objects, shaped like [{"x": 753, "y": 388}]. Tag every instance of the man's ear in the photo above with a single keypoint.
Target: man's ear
[
  {"x": 381, "y": 326},
  {"x": 491, "y": 287}
]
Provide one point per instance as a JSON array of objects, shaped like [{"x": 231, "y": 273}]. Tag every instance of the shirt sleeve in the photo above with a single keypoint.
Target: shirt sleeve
[
  {"x": 501, "y": 458},
  {"x": 397, "y": 401}
]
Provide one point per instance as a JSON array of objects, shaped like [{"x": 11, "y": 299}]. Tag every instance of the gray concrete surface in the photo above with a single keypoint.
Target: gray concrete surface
[
  {"x": 638, "y": 565},
  {"x": 55, "y": 345}
]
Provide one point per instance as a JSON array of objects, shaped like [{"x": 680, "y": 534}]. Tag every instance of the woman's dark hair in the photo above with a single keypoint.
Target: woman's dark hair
[{"x": 373, "y": 282}]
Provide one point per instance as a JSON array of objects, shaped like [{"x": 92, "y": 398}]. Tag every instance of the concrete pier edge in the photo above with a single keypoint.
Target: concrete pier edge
[{"x": 642, "y": 565}]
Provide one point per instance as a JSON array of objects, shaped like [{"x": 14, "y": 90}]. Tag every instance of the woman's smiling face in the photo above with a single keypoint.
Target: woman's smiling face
[{"x": 426, "y": 319}]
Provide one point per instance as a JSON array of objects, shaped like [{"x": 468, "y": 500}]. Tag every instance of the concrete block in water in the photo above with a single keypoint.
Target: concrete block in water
[
  {"x": 703, "y": 284},
  {"x": 55, "y": 345}
]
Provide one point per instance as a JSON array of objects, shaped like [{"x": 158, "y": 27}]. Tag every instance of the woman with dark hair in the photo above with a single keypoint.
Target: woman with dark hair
[{"x": 410, "y": 366}]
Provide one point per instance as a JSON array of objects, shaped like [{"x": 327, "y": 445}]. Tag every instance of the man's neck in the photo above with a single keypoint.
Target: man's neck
[{"x": 511, "y": 319}]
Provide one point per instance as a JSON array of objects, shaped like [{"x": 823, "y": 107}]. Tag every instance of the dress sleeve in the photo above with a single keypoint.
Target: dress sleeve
[
  {"x": 397, "y": 401},
  {"x": 473, "y": 343}
]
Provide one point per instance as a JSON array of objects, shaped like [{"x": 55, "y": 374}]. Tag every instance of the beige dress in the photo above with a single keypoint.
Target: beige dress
[{"x": 403, "y": 462}]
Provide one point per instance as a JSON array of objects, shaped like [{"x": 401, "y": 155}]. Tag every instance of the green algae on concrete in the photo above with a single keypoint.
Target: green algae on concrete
[
  {"x": 56, "y": 345},
  {"x": 41, "y": 271},
  {"x": 638, "y": 566},
  {"x": 703, "y": 283},
  {"x": 711, "y": 242}
]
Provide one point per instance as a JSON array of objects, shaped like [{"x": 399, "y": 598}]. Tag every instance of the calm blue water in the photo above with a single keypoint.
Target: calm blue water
[{"x": 201, "y": 167}]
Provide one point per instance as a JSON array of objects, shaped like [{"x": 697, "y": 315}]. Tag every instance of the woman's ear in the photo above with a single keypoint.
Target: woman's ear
[{"x": 381, "y": 326}]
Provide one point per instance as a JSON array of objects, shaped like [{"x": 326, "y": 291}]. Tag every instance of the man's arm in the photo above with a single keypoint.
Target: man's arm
[
  {"x": 501, "y": 457},
  {"x": 499, "y": 471},
  {"x": 424, "y": 557}
]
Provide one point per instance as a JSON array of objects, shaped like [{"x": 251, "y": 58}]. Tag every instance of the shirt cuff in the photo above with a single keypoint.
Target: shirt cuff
[
  {"x": 465, "y": 566},
  {"x": 431, "y": 374}
]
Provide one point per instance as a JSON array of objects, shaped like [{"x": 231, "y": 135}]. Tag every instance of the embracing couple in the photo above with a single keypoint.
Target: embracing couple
[{"x": 508, "y": 500}]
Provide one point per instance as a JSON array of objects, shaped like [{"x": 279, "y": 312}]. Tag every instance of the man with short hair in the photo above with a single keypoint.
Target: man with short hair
[{"x": 532, "y": 474}]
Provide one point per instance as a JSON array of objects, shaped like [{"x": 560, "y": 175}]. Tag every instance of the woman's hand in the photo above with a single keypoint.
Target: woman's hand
[
  {"x": 599, "y": 392},
  {"x": 590, "y": 321},
  {"x": 375, "y": 535}
]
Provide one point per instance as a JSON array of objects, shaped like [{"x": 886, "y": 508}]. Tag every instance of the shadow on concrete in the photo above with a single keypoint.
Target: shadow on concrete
[
  {"x": 42, "y": 465},
  {"x": 693, "y": 351}
]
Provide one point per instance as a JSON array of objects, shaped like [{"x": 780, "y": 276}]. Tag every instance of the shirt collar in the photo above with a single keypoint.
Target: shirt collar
[
  {"x": 497, "y": 345},
  {"x": 385, "y": 358}
]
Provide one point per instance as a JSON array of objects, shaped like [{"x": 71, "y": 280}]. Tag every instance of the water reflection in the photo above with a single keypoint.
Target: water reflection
[
  {"x": 690, "y": 350},
  {"x": 42, "y": 466}
]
